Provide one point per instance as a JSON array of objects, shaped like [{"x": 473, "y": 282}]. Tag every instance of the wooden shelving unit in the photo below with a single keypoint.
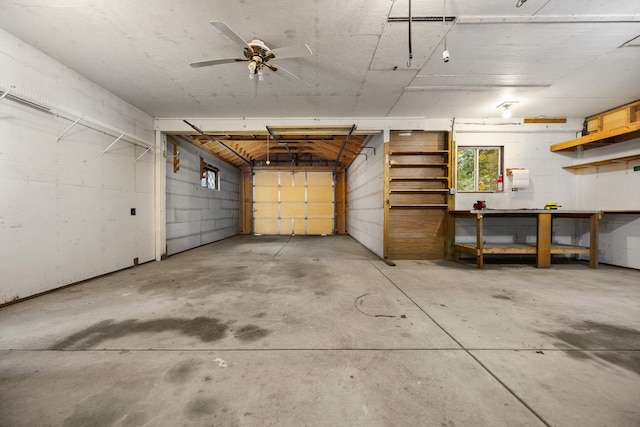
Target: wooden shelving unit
[{"x": 417, "y": 195}]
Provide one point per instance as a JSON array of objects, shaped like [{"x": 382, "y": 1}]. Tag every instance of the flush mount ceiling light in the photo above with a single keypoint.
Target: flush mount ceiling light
[{"x": 506, "y": 108}]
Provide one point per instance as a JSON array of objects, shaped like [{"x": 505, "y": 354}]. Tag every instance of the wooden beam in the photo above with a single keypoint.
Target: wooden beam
[{"x": 544, "y": 120}]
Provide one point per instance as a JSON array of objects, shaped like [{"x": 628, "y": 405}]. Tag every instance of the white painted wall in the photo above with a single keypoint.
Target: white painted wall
[
  {"x": 365, "y": 197},
  {"x": 612, "y": 187},
  {"x": 197, "y": 215},
  {"x": 528, "y": 147},
  {"x": 528, "y": 150},
  {"x": 65, "y": 211}
]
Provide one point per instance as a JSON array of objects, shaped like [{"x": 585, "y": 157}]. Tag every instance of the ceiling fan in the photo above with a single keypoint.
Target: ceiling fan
[{"x": 258, "y": 55}]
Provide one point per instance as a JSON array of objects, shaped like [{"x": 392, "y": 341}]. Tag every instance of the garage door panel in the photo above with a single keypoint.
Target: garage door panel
[
  {"x": 293, "y": 210},
  {"x": 266, "y": 225},
  {"x": 288, "y": 179},
  {"x": 320, "y": 194},
  {"x": 319, "y": 179},
  {"x": 300, "y": 226},
  {"x": 265, "y": 195},
  {"x": 293, "y": 203},
  {"x": 286, "y": 226},
  {"x": 293, "y": 194},
  {"x": 266, "y": 179},
  {"x": 320, "y": 210},
  {"x": 265, "y": 210},
  {"x": 319, "y": 226}
]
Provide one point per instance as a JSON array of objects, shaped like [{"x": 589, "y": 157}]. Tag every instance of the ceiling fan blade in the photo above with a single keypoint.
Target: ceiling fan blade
[
  {"x": 208, "y": 62},
  {"x": 295, "y": 51},
  {"x": 289, "y": 75},
  {"x": 224, "y": 29}
]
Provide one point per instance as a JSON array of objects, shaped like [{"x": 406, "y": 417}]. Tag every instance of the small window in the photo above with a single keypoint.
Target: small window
[
  {"x": 479, "y": 169},
  {"x": 209, "y": 175}
]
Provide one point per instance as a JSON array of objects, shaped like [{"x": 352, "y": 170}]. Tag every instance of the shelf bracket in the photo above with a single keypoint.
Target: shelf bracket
[
  {"x": 145, "y": 152},
  {"x": 69, "y": 128},
  {"x": 365, "y": 154},
  {"x": 6, "y": 93},
  {"x": 113, "y": 143}
]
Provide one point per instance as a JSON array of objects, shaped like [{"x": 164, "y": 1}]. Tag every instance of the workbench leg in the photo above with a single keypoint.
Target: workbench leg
[
  {"x": 593, "y": 244},
  {"x": 479, "y": 238},
  {"x": 543, "y": 243}
]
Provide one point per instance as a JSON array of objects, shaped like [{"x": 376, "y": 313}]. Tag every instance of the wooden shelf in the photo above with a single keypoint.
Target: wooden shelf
[
  {"x": 498, "y": 248},
  {"x": 411, "y": 153},
  {"x": 610, "y": 127},
  {"x": 426, "y": 190},
  {"x": 428, "y": 178},
  {"x": 421, "y": 205},
  {"x": 417, "y": 165},
  {"x": 604, "y": 162},
  {"x": 517, "y": 248}
]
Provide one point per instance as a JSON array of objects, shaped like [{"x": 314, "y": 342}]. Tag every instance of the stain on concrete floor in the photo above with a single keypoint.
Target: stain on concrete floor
[
  {"x": 614, "y": 340},
  {"x": 206, "y": 329}
]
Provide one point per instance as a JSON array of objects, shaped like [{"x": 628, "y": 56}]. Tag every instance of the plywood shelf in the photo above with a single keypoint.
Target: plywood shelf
[
  {"x": 519, "y": 248},
  {"x": 421, "y": 205},
  {"x": 610, "y": 127},
  {"x": 425, "y": 190},
  {"x": 416, "y": 152},
  {"x": 603, "y": 162},
  {"x": 426, "y": 178},
  {"x": 417, "y": 165},
  {"x": 514, "y": 248}
]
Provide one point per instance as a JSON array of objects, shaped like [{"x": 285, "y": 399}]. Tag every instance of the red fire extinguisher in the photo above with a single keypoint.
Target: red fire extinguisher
[{"x": 500, "y": 184}]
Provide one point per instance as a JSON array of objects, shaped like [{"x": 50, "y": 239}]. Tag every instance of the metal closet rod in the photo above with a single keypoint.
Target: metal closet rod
[{"x": 21, "y": 97}]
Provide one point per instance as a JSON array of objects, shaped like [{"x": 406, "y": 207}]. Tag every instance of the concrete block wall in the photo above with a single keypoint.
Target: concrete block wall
[
  {"x": 365, "y": 197},
  {"x": 197, "y": 215},
  {"x": 528, "y": 150},
  {"x": 548, "y": 183},
  {"x": 612, "y": 187},
  {"x": 65, "y": 214}
]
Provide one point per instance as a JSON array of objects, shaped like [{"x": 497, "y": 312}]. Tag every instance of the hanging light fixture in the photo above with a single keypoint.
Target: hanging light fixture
[
  {"x": 268, "y": 162},
  {"x": 506, "y": 108},
  {"x": 445, "y": 52}
]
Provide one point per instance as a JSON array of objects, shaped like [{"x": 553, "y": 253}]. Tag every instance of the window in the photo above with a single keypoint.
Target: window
[
  {"x": 479, "y": 169},
  {"x": 209, "y": 175}
]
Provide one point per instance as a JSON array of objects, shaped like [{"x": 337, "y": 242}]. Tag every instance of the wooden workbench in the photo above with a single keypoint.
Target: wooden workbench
[{"x": 543, "y": 247}]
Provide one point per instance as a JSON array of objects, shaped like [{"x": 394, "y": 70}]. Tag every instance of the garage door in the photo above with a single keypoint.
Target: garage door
[{"x": 286, "y": 202}]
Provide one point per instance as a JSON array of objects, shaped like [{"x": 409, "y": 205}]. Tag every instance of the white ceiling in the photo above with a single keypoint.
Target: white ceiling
[{"x": 557, "y": 58}]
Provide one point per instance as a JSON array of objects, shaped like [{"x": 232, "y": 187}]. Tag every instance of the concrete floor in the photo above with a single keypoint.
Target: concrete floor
[{"x": 317, "y": 331}]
